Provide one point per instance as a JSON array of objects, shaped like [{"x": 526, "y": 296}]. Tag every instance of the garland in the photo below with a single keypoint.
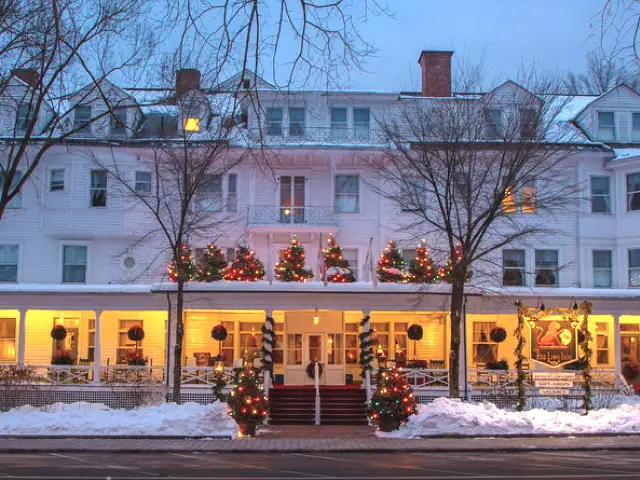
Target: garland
[
  {"x": 268, "y": 344},
  {"x": 587, "y": 352},
  {"x": 366, "y": 347},
  {"x": 520, "y": 358}
]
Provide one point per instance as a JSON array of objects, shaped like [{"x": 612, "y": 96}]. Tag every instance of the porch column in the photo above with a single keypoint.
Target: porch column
[
  {"x": 22, "y": 328},
  {"x": 367, "y": 375},
  {"x": 97, "y": 352},
  {"x": 616, "y": 347},
  {"x": 268, "y": 358}
]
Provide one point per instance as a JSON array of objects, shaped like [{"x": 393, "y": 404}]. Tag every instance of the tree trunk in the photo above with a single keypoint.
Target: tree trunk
[
  {"x": 177, "y": 357},
  {"x": 457, "y": 300}
]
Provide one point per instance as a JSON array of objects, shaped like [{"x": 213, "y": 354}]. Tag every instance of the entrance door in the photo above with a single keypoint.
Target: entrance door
[
  {"x": 630, "y": 350},
  {"x": 292, "y": 191},
  {"x": 314, "y": 349},
  {"x": 69, "y": 344}
]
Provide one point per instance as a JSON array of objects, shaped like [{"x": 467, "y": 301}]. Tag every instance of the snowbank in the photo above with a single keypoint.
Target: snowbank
[
  {"x": 454, "y": 417},
  {"x": 82, "y": 418}
]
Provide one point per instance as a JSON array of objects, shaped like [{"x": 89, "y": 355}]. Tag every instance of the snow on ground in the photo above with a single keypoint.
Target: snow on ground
[
  {"x": 454, "y": 417},
  {"x": 82, "y": 418}
]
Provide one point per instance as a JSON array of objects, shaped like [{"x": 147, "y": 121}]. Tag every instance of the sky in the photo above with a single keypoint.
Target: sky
[{"x": 504, "y": 34}]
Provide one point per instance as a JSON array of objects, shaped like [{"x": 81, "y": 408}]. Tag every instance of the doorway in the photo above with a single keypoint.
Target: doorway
[
  {"x": 630, "y": 353},
  {"x": 314, "y": 349},
  {"x": 292, "y": 193}
]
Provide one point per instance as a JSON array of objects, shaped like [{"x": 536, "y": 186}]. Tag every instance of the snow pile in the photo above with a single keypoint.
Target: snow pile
[
  {"x": 453, "y": 417},
  {"x": 82, "y": 418}
]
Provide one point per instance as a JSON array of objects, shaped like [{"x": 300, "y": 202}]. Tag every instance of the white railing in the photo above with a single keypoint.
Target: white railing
[
  {"x": 61, "y": 374},
  {"x": 129, "y": 375},
  {"x": 316, "y": 382},
  {"x": 83, "y": 375},
  {"x": 479, "y": 378},
  {"x": 426, "y": 377},
  {"x": 298, "y": 215},
  {"x": 204, "y": 376}
]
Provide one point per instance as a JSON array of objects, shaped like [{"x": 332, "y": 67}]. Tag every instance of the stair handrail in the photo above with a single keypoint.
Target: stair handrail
[{"x": 316, "y": 381}]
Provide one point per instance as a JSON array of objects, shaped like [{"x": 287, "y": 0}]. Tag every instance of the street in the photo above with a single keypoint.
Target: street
[{"x": 489, "y": 465}]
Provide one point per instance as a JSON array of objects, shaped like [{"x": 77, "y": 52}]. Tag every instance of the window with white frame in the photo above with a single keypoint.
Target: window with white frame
[
  {"x": 7, "y": 339},
  {"x": 380, "y": 338},
  {"x": 493, "y": 122},
  {"x": 294, "y": 349},
  {"x": 274, "y": 121},
  {"x": 127, "y": 347},
  {"x": 546, "y": 268},
  {"x": 351, "y": 343},
  {"x": 346, "y": 193},
  {"x": 209, "y": 194},
  {"x": 523, "y": 201},
  {"x": 9, "y": 263},
  {"x": 250, "y": 340},
  {"x": 82, "y": 118},
  {"x": 16, "y": 201},
  {"x": 529, "y": 197},
  {"x": 74, "y": 264},
  {"x": 56, "y": 180},
  {"x": 118, "y": 121},
  {"x": 339, "y": 122},
  {"x": 635, "y": 132},
  {"x": 98, "y": 189},
  {"x": 143, "y": 182},
  {"x": 510, "y": 201},
  {"x": 24, "y": 116},
  {"x": 633, "y": 191},
  {"x": 335, "y": 349},
  {"x": 232, "y": 192},
  {"x": 296, "y": 122},
  {"x": 361, "y": 122},
  {"x": 602, "y": 343},
  {"x": 600, "y": 194},
  {"x": 634, "y": 267},
  {"x": 602, "y": 269},
  {"x": 513, "y": 268},
  {"x": 606, "y": 126},
  {"x": 351, "y": 257},
  {"x": 484, "y": 350}
]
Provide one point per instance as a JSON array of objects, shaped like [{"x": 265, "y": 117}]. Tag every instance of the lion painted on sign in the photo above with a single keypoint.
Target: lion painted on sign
[{"x": 555, "y": 335}]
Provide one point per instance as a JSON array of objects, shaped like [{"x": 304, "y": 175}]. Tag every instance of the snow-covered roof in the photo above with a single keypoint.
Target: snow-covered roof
[
  {"x": 625, "y": 153},
  {"x": 573, "y": 105}
]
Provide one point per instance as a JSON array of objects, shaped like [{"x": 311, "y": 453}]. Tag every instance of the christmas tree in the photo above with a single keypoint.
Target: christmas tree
[
  {"x": 393, "y": 402},
  {"x": 391, "y": 265},
  {"x": 338, "y": 270},
  {"x": 212, "y": 265},
  {"x": 447, "y": 273},
  {"x": 247, "y": 403},
  {"x": 421, "y": 267},
  {"x": 291, "y": 268},
  {"x": 245, "y": 266},
  {"x": 181, "y": 267}
]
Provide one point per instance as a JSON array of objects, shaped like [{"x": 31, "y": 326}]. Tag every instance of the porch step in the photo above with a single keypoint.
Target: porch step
[
  {"x": 292, "y": 406},
  {"x": 343, "y": 406}
]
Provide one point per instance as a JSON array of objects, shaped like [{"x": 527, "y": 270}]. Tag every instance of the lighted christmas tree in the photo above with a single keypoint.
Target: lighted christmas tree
[
  {"x": 247, "y": 403},
  {"x": 245, "y": 266},
  {"x": 181, "y": 267},
  {"x": 291, "y": 268},
  {"x": 338, "y": 270},
  {"x": 421, "y": 267},
  {"x": 447, "y": 273},
  {"x": 391, "y": 265},
  {"x": 393, "y": 401},
  {"x": 212, "y": 265}
]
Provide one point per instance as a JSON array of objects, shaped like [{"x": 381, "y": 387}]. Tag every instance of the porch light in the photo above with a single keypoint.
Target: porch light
[
  {"x": 218, "y": 367},
  {"x": 380, "y": 350},
  {"x": 316, "y": 320},
  {"x": 287, "y": 211}
]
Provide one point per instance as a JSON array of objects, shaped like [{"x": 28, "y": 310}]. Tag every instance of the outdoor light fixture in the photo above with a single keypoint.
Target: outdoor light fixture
[
  {"x": 316, "y": 319},
  {"x": 287, "y": 211},
  {"x": 192, "y": 124},
  {"x": 218, "y": 366}
]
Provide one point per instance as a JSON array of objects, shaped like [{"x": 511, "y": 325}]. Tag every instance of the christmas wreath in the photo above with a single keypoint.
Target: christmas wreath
[
  {"x": 415, "y": 332},
  {"x": 58, "y": 333},
  {"x": 630, "y": 370},
  {"x": 135, "y": 333},
  {"x": 498, "y": 334},
  {"x": 219, "y": 333},
  {"x": 311, "y": 369}
]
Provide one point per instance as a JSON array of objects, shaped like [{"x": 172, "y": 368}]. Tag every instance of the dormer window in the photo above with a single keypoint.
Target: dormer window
[
  {"x": 24, "y": 116},
  {"x": 493, "y": 122},
  {"x": 274, "y": 121},
  {"x": 246, "y": 84},
  {"x": 527, "y": 123},
  {"x": 119, "y": 122},
  {"x": 82, "y": 118},
  {"x": 192, "y": 124},
  {"x": 635, "y": 133},
  {"x": 606, "y": 126}
]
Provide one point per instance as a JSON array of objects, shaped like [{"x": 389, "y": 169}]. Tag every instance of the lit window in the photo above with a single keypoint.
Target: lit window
[
  {"x": 602, "y": 265},
  {"x": 56, "y": 183},
  {"x": 529, "y": 197},
  {"x": 602, "y": 343},
  {"x": 600, "y": 195},
  {"x": 8, "y": 263},
  {"x": 74, "y": 264},
  {"x": 606, "y": 126},
  {"x": 509, "y": 202},
  {"x": 484, "y": 350},
  {"x": 192, "y": 125},
  {"x": 8, "y": 339}
]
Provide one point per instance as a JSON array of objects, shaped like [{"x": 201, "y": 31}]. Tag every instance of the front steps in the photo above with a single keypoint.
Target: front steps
[{"x": 338, "y": 406}]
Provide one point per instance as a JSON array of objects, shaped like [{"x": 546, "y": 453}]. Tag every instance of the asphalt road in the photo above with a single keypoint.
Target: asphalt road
[{"x": 388, "y": 466}]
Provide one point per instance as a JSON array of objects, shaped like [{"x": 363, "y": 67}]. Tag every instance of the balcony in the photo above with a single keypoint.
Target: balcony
[
  {"x": 294, "y": 219},
  {"x": 357, "y": 137}
]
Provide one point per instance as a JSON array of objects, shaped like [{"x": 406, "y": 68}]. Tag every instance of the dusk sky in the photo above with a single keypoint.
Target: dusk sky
[{"x": 555, "y": 34}]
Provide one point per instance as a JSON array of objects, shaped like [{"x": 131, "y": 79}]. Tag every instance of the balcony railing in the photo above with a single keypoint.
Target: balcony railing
[
  {"x": 277, "y": 215},
  {"x": 360, "y": 136}
]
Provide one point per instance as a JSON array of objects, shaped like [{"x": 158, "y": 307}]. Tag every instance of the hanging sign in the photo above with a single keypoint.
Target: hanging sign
[
  {"x": 554, "y": 391},
  {"x": 553, "y": 342},
  {"x": 553, "y": 380}
]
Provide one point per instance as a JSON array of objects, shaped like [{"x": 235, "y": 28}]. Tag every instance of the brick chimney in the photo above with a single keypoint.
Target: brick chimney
[
  {"x": 436, "y": 73},
  {"x": 29, "y": 76},
  {"x": 187, "y": 79}
]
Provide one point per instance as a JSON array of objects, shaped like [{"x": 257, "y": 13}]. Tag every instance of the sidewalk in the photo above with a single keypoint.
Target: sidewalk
[{"x": 300, "y": 445}]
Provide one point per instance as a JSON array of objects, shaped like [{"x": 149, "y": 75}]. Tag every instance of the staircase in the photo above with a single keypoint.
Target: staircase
[{"x": 338, "y": 406}]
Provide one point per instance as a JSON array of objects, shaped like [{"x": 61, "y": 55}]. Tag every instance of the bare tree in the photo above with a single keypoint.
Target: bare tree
[
  {"x": 603, "y": 73},
  {"x": 471, "y": 170},
  {"x": 49, "y": 50}
]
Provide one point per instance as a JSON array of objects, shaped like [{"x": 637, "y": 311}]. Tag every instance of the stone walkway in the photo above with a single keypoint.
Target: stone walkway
[{"x": 315, "y": 445}]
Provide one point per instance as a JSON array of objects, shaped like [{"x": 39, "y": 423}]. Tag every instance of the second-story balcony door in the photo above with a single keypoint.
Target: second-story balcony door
[{"x": 292, "y": 191}]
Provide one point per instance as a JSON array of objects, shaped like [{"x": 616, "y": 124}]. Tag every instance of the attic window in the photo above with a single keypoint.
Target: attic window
[
  {"x": 246, "y": 84},
  {"x": 192, "y": 125}
]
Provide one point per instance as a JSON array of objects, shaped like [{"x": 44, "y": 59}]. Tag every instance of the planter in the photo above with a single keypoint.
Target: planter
[
  {"x": 388, "y": 425},
  {"x": 247, "y": 429}
]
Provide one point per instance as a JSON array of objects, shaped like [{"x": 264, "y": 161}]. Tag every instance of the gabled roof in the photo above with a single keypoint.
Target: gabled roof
[{"x": 232, "y": 84}]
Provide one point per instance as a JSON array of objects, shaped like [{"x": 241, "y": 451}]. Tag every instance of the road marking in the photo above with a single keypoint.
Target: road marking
[
  {"x": 69, "y": 456},
  {"x": 317, "y": 456},
  {"x": 185, "y": 456}
]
